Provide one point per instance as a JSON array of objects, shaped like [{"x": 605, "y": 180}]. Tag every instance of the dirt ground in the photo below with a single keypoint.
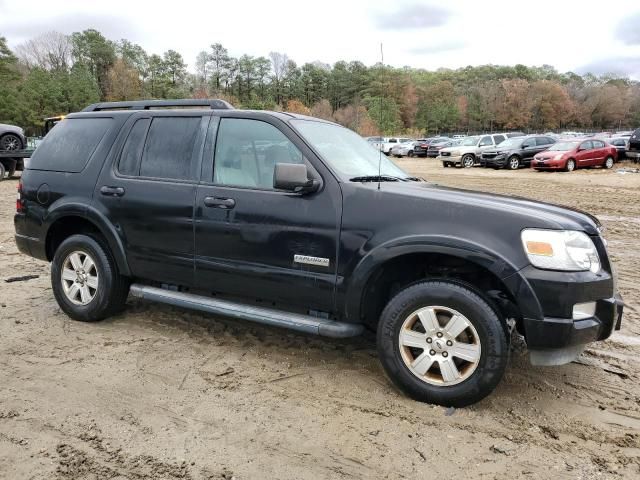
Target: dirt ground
[{"x": 160, "y": 393}]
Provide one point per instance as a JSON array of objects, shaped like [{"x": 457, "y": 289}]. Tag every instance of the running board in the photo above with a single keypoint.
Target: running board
[{"x": 268, "y": 316}]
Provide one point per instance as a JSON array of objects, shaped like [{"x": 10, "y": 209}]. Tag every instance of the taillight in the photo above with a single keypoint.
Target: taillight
[{"x": 20, "y": 205}]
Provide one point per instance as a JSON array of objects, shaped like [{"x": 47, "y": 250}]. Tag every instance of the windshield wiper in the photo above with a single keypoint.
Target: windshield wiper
[{"x": 383, "y": 178}]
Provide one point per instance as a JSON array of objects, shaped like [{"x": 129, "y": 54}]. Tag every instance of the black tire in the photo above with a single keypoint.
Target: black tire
[
  {"x": 513, "y": 162},
  {"x": 410, "y": 154},
  {"x": 2, "y": 171},
  {"x": 10, "y": 142},
  {"x": 11, "y": 164},
  {"x": 112, "y": 290},
  {"x": 608, "y": 162},
  {"x": 468, "y": 160},
  {"x": 491, "y": 334},
  {"x": 570, "y": 166}
]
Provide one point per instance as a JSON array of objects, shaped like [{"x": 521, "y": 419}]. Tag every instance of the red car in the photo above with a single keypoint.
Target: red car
[{"x": 568, "y": 155}]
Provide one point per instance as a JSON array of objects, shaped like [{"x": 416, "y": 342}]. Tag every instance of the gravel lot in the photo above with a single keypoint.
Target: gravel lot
[{"x": 160, "y": 393}]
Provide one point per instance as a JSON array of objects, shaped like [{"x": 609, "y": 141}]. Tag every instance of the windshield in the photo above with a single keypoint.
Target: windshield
[
  {"x": 469, "y": 142},
  {"x": 563, "y": 146},
  {"x": 345, "y": 151},
  {"x": 511, "y": 143}
]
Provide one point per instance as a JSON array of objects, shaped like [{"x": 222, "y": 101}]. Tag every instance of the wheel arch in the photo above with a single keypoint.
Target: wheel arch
[
  {"x": 70, "y": 219},
  {"x": 15, "y": 134},
  {"x": 390, "y": 268}
]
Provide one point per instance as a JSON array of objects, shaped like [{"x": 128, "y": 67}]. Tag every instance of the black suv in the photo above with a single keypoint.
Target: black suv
[
  {"x": 516, "y": 152},
  {"x": 633, "y": 147},
  {"x": 292, "y": 221}
]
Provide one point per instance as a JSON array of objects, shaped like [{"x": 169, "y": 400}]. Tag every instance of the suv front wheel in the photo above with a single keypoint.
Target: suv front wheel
[
  {"x": 440, "y": 342},
  {"x": 85, "y": 279},
  {"x": 468, "y": 160}
]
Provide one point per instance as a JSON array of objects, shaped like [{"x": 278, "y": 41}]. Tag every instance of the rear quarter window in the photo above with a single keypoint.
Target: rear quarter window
[{"x": 70, "y": 144}]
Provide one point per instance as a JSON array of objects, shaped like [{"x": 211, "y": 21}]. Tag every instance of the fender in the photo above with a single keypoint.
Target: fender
[
  {"x": 76, "y": 206},
  {"x": 505, "y": 270}
]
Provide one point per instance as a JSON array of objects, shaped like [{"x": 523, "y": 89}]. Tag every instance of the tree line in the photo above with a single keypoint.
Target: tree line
[{"x": 54, "y": 74}]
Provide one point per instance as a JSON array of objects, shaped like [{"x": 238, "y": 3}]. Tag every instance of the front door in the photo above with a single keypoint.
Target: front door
[
  {"x": 147, "y": 193},
  {"x": 257, "y": 242}
]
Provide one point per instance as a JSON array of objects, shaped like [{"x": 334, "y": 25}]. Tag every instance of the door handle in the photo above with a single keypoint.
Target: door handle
[
  {"x": 112, "y": 191},
  {"x": 218, "y": 202}
]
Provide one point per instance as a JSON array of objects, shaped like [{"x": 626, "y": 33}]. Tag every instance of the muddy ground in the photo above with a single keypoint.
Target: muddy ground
[{"x": 160, "y": 393}]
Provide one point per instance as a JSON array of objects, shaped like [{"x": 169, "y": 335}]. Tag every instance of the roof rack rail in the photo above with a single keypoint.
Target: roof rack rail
[{"x": 212, "y": 103}]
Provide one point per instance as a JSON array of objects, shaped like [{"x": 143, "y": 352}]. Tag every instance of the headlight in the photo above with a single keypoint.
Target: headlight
[
  {"x": 455, "y": 153},
  {"x": 560, "y": 250},
  {"x": 558, "y": 157}
]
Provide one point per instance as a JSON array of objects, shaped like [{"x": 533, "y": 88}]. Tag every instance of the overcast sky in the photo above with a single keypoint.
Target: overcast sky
[{"x": 570, "y": 35}]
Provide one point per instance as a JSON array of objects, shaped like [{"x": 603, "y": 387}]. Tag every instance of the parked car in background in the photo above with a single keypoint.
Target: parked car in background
[
  {"x": 458, "y": 136},
  {"x": 403, "y": 149},
  {"x": 515, "y": 152},
  {"x": 633, "y": 146},
  {"x": 421, "y": 147},
  {"x": 11, "y": 138},
  {"x": 621, "y": 146},
  {"x": 434, "y": 148},
  {"x": 571, "y": 154},
  {"x": 467, "y": 153},
  {"x": 386, "y": 145}
]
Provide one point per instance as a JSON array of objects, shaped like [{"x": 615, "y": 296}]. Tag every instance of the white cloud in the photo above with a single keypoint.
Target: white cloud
[{"x": 567, "y": 34}]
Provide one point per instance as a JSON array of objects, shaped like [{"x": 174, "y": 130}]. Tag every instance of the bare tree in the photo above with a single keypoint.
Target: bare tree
[
  {"x": 50, "y": 51},
  {"x": 280, "y": 65}
]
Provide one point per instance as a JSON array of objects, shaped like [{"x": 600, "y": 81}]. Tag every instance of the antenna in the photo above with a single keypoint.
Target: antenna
[{"x": 381, "y": 105}]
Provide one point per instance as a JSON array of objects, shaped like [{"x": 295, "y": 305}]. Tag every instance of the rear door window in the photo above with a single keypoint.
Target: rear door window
[
  {"x": 70, "y": 144},
  {"x": 499, "y": 138},
  {"x": 168, "y": 150}
]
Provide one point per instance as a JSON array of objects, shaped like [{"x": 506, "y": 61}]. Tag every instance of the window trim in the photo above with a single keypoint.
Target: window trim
[{"x": 214, "y": 130}]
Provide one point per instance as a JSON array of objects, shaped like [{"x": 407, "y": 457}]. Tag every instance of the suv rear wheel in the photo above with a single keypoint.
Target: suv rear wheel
[
  {"x": 440, "y": 342},
  {"x": 85, "y": 279}
]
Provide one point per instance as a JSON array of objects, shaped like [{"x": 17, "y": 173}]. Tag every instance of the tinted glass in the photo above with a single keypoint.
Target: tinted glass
[
  {"x": 485, "y": 141},
  {"x": 598, "y": 144},
  {"x": 499, "y": 138},
  {"x": 248, "y": 150},
  {"x": 129, "y": 163},
  {"x": 70, "y": 144},
  {"x": 530, "y": 142},
  {"x": 169, "y": 147}
]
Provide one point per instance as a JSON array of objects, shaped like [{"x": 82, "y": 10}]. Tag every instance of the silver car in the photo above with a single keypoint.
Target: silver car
[{"x": 12, "y": 137}]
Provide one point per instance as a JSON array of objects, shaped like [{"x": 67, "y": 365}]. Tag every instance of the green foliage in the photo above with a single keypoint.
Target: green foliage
[{"x": 367, "y": 99}]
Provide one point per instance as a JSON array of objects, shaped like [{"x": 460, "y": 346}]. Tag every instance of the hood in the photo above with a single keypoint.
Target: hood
[{"x": 515, "y": 211}]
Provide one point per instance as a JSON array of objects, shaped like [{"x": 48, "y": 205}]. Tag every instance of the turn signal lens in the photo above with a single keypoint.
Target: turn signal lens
[{"x": 539, "y": 248}]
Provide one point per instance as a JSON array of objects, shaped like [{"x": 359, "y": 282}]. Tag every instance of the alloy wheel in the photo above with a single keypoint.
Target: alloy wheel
[
  {"x": 439, "y": 345},
  {"x": 79, "y": 278}
]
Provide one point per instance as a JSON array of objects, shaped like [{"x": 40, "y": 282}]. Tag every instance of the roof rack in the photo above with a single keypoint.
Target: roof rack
[{"x": 212, "y": 103}]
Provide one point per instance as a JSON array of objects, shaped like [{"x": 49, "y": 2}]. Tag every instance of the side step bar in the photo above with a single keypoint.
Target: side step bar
[{"x": 268, "y": 316}]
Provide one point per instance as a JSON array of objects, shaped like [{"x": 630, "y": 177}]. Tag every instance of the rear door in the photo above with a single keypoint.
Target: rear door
[
  {"x": 584, "y": 155},
  {"x": 256, "y": 242},
  {"x": 600, "y": 151},
  {"x": 148, "y": 190}
]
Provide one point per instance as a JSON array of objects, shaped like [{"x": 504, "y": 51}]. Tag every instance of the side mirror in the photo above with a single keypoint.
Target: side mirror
[{"x": 293, "y": 177}]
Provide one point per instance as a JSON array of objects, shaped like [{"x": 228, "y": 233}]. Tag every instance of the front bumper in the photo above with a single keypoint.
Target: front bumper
[
  {"x": 548, "y": 164},
  {"x": 557, "y": 293},
  {"x": 457, "y": 160},
  {"x": 632, "y": 154},
  {"x": 497, "y": 161}
]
